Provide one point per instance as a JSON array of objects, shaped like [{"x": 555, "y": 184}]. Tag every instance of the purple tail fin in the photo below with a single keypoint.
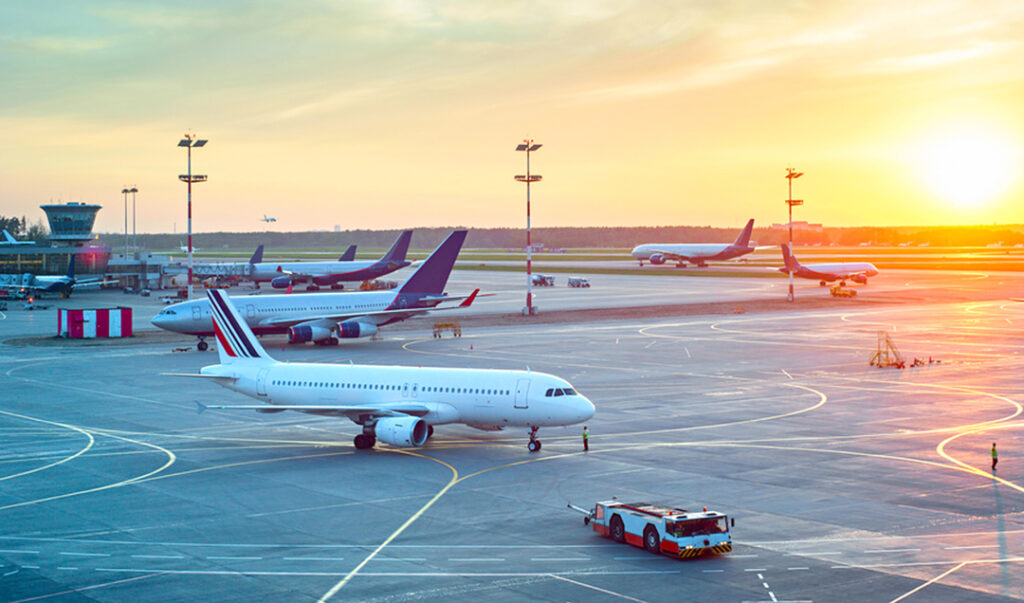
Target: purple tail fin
[
  {"x": 399, "y": 249},
  {"x": 432, "y": 275}
]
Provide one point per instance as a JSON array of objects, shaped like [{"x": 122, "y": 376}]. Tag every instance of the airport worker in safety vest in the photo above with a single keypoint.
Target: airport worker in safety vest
[
  {"x": 995, "y": 456},
  {"x": 586, "y": 439}
]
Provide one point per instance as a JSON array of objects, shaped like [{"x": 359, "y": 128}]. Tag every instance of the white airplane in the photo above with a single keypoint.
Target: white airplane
[
  {"x": 268, "y": 220},
  {"x": 397, "y": 405},
  {"x": 857, "y": 272},
  {"x": 285, "y": 274},
  {"x": 10, "y": 240},
  {"x": 324, "y": 317},
  {"x": 695, "y": 253}
]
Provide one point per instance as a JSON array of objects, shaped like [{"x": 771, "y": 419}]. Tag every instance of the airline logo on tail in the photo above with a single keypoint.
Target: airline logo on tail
[{"x": 234, "y": 337}]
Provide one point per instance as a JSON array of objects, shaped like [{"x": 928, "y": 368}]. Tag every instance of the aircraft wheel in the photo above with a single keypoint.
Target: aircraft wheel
[
  {"x": 202, "y": 346},
  {"x": 363, "y": 441},
  {"x": 533, "y": 446},
  {"x": 842, "y": 283}
]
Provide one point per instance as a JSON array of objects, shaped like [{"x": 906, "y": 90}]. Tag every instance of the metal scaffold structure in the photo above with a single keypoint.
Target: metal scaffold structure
[{"x": 887, "y": 354}]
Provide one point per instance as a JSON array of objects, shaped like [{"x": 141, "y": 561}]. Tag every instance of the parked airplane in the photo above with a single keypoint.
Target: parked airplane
[
  {"x": 394, "y": 404},
  {"x": 10, "y": 240},
  {"x": 30, "y": 284},
  {"x": 325, "y": 317},
  {"x": 349, "y": 255},
  {"x": 283, "y": 275},
  {"x": 695, "y": 253},
  {"x": 857, "y": 272}
]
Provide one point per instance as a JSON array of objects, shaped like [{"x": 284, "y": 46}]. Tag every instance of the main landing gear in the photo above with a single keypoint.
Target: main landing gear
[{"x": 534, "y": 445}]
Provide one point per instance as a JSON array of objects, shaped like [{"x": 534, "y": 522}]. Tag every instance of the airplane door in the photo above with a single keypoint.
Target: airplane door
[
  {"x": 250, "y": 311},
  {"x": 522, "y": 387},
  {"x": 415, "y": 388},
  {"x": 197, "y": 312},
  {"x": 261, "y": 382}
]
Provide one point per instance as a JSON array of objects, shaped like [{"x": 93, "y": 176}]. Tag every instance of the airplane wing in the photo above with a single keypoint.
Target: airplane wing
[
  {"x": 381, "y": 315},
  {"x": 393, "y": 409}
]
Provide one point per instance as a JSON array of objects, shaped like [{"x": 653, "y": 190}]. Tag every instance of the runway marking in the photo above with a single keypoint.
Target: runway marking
[
  {"x": 798, "y": 569},
  {"x": 560, "y": 558},
  {"x": 600, "y": 590},
  {"x": 88, "y": 446},
  {"x": 159, "y": 557},
  {"x": 925, "y": 584},
  {"x": 87, "y": 588},
  {"x": 475, "y": 559},
  {"x": 313, "y": 558},
  {"x": 230, "y": 558},
  {"x": 977, "y": 546},
  {"x": 712, "y": 571},
  {"x": 74, "y": 554},
  {"x": 757, "y": 569},
  {"x": 19, "y": 551},
  {"x": 892, "y": 551}
]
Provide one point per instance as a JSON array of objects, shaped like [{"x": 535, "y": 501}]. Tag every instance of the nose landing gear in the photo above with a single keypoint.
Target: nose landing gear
[{"x": 534, "y": 445}]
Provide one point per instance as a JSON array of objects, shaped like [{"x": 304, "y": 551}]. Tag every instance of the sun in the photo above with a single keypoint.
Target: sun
[{"x": 968, "y": 167}]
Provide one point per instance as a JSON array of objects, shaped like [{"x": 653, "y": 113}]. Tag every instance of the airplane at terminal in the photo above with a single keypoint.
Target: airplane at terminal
[
  {"x": 349, "y": 255},
  {"x": 326, "y": 317},
  {"x": 10, "y": 240},
  {"x": 63, "y": 285},
  {"x": 283, "y": 275},
  {"x": 695, "y": 253},
  {"x": 397, "y": 405},
  {"x": 857, "y": 272}
]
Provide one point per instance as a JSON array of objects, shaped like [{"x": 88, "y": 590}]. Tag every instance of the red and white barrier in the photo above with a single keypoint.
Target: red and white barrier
[{"x": 88, "y": 324}]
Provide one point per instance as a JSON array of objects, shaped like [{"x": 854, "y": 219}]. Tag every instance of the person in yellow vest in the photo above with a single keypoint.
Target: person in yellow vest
[
  {"x": 995, "y": 455},
  {"x": 586, "y": 439}
]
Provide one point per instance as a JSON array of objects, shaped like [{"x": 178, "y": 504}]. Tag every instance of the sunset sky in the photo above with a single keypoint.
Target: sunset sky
[{"x": 401, "y": 113}]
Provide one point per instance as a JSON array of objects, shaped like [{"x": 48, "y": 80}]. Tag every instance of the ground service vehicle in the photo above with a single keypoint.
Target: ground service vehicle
[
  {"x": 543, "y": 280},
  {"x": 839, "y": 291},
  {"x": 661, "y": 529},
  {"x": 578, "y": 281}
]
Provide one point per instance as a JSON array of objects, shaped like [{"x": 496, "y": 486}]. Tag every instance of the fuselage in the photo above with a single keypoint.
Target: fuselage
[
  {"x": 690, "y": 251},
  {"x": 325, "y": 273},
  {"x": 488, "y": 399},
  {"x": 194, "y": 318},
  {"x": 833, "y": 272}
]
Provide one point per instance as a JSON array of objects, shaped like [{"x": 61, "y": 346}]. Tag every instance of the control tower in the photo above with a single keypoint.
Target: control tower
[{"x": 71, "y": 223}]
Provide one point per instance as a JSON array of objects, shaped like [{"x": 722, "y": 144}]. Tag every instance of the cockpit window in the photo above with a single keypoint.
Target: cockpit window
[
  {"x": 570, "y": 391},
  {"x": 549, "y": 393},
  {"x": 558, "y": 392}
]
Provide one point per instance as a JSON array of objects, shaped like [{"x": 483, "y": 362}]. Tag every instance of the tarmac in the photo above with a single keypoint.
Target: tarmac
[{"x": 847, "y": 482}]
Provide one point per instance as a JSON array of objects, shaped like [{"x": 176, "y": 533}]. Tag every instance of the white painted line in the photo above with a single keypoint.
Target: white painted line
[
  {"x": 226, "y": 558},
  {"x": 30, "y": 567},
  {"x": 757, "y": 569},
  {"x": 68, "y": 569},
  {"x": 592, "y": 587},
  {"x": 400, "y": 559},
  {"x": 73, "y": 554},
  {"x": 712, "y": 571},
  {"x": 475, "y": 559},
  {"x": 158, "y": 556},
  {"x": 760, "y": 577},
  {"x": 892, "y": 551},
  {"x": 977, "y": 546},
  {"x": 772, "y": 595},
  {"x": 797, "y": 569},
  {"x": 559, "y": 558},
  {"x": 821, "y": 554},
  {"x": 312, "y": 558},
  {"x": 22, "y": 552},
  {"x": 11, "y": 573}
]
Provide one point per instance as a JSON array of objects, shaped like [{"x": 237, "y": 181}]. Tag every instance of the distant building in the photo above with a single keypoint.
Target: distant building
[
  {"x": 799, "y": 225},
  {"x": 70, "y": 233},
  {"x": 71, "y": 223}
]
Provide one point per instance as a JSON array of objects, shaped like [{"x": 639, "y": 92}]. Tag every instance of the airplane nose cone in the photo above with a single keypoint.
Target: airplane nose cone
[
  {"x": 158, "y": 320},
  {"x": 585, "y": 408}
]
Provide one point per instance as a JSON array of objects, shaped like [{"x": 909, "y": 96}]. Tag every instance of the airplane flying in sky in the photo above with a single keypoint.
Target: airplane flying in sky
[
  {"x": 695, "y": 253},
  {"x": 323, "y": 318},
  {"x": 10, "y": 240},
  {"x": 268, "y": 219},
  {"x": 284, "y": 274},
  {"x": 397, "y": 405},
  {"x": 857, "y": 272}
]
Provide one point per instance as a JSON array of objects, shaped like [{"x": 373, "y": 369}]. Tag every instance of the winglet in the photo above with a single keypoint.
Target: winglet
[{"x": 469, "y": 300}]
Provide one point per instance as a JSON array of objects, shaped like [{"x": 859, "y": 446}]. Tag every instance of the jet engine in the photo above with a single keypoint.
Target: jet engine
[
  {"x": 281, "y": 282},
  {"x": 657, "y": 258},
  {"x": 401, "y": 431},
  {"x": 353, "y": 328},
  {"x": 304, "y": 333},
  {"x": 859, "y": 278}
]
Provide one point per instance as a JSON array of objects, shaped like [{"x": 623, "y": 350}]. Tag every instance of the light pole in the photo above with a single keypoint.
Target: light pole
[
  {"x": 189, "y": 141},
  {"x": 528, "y": 146},
  {"x": 790, "y": 175},
  {"x": 125, "y": 191},
  {"x": 135, "y": 244}
]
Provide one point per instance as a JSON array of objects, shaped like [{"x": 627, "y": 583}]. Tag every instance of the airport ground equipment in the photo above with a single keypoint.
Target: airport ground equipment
[
  {"x": 94, "y": 323},
  {"x": 453, "y": 326},
  {"x": 579, "y": 282},
  {"x": 660, "y": 528},
  {"x": 543, "y": 280},
  {"x": 840, "y": 291},
  {"x": 887, "y": 354}
]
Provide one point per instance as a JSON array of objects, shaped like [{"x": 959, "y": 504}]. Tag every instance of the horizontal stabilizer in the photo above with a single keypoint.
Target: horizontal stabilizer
[{"x": 198, "y": 376}]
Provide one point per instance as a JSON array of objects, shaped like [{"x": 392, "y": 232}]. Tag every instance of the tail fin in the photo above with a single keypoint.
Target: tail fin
[
  {"x": 432, "y": 275},
  {"x": 744, "y": 239},
  {"x": 350, "y": 254},
  {"x": 257, "y": 256},
  {"x": 71, "y": 267},
  {"x": 788, "y": 258},
  {"x": 399, "y": 249},
  {"x": 235, "y": 340},
  {"x": 9, "y": 238}
]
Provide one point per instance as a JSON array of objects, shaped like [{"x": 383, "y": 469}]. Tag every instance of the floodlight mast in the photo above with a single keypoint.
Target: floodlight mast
[
  {"x": 528, "y": 146},
  {"x": 790, "y": 175},
  {"x": 135, "y": 244},
  {"x": 125, "y": 191},
  {"x": 189, "y": 141}
]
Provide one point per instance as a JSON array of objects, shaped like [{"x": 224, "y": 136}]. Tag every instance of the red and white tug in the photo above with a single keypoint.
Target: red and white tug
[{"x": 661, "y": 529}]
